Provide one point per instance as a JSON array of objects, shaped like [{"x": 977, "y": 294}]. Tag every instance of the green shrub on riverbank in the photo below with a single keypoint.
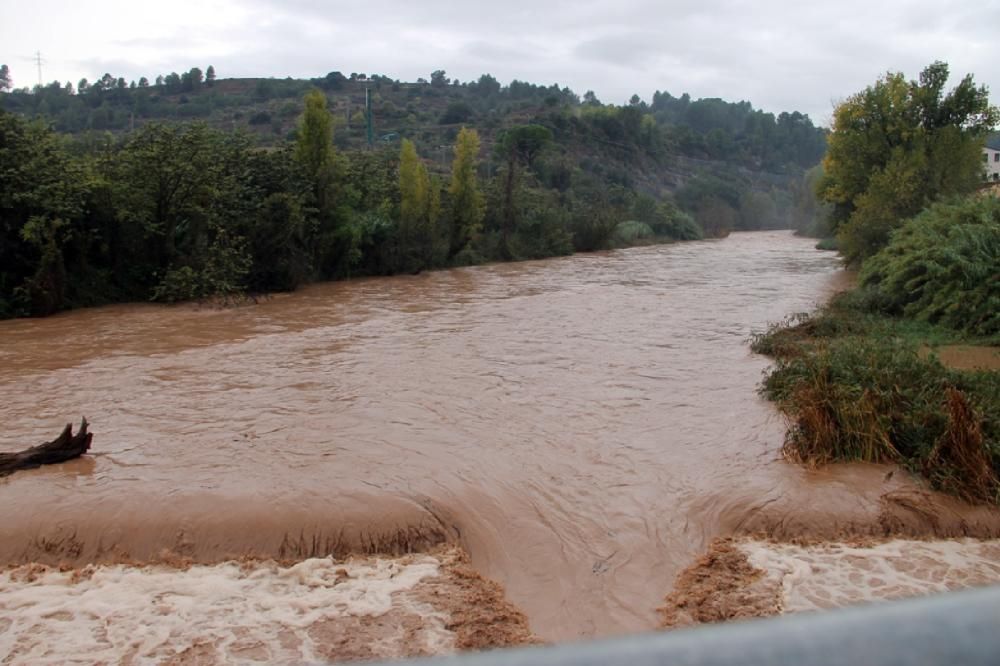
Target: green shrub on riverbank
[
  {"x": 631, "y": 232},
  {"x": 943, "y": 266},
  {"x": 856, "y": 388}
]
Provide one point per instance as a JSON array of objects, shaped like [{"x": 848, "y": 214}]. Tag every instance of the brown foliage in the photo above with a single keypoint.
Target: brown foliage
[{"x": 960, "y": 462}]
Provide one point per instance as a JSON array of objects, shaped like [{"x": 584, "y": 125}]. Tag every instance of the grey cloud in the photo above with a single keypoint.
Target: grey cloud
[{"x": 778, "y": 54}]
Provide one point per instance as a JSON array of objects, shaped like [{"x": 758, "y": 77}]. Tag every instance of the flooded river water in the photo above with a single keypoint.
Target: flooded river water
[{"x": 583, "y": 426}]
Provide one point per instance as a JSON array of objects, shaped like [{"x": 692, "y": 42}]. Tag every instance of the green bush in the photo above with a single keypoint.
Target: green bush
[
  {"x": 222, "y": 274},
  {"x": 593, "y": 229},
  {"x": 943, "y": 266},
  {"x": 632, "y": 231},
  {"x": 542, "y": 234},
  {"x": 675, "y": 223},
  {"x": 260, "y": 118}
]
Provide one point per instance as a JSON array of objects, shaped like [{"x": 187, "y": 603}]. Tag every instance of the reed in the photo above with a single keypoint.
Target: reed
[{"x": 855, "y": 387}]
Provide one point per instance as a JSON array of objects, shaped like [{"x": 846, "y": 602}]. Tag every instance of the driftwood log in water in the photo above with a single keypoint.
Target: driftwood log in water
[{"x": 64, "y": 447}]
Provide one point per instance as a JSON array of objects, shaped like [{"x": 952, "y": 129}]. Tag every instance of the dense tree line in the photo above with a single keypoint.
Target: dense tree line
[
  {"x": 170, "y": 208},
  {"x": 184, "y": 211},
  {"x": 112, "y": 103},
  {"x": 718, "y": 129},
  {"x": 630, "y": 146}
]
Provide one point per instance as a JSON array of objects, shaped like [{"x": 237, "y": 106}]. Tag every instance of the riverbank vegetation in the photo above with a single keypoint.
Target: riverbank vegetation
[
  {"x": 858, "y": 385},
  {"x": 859, "y": 379},
  {"x": 114, "y": 192}
]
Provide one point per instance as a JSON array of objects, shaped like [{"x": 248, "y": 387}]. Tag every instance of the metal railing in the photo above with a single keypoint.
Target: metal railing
[{"x": 954, "y": 629}]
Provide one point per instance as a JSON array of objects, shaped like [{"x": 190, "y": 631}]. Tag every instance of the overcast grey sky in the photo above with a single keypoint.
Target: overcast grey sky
[{"x": 779, "y": 55}]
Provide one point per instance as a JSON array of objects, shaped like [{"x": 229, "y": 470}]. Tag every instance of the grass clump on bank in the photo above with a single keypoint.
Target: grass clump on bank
[
  {"x": 853, "y": 381},
  {"x": 828, "y": 244},
  {"x": 857, "y": 389}
]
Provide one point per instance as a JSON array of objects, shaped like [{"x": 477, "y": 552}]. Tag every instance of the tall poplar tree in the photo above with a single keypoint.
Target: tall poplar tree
[
  {"x": 467, "y": 205},
  {"x": 413, "y": 203},
  {"x": 413, "y": 186},
  {"x": 314, "y": 148}
]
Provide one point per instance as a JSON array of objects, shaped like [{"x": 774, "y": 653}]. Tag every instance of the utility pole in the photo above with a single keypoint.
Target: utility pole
[
  {"x": 368, "y": 114},
  {"x": 369, "y": 129},
  {"x": 38, "y": 61}
]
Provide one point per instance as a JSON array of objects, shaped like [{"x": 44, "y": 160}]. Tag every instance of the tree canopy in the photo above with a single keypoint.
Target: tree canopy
[{"x": 898, "y": 146}]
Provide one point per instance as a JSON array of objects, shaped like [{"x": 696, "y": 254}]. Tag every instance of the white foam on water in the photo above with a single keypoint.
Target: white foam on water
[
  {"x": 227, "y": 613},
  {"x": 833, "y": 575}
]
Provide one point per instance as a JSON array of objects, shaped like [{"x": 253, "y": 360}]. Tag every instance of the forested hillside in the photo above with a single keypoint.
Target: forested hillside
[
  {"x": 188, "y": 186},
  {"x": 704, "y": 128}
]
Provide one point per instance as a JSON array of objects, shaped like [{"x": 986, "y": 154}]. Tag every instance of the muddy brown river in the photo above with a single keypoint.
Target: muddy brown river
[{"x": 583, "y": 426}]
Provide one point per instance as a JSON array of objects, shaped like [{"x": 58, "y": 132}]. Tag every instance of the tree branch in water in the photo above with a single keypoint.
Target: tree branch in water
[{"x": 65, "y": 447}]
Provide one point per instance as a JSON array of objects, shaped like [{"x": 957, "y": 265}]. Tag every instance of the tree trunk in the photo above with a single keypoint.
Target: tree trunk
[
  {"x": 508, "y": 213},
  {"x": 65, "y": 447}
]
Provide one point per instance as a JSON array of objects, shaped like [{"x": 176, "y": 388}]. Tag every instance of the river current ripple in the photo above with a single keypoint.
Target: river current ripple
[{"x": 582, "y": 425}]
